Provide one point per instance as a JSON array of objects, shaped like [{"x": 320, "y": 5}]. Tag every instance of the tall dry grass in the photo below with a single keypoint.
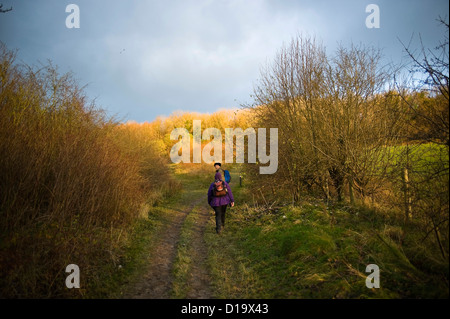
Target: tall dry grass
[{"x": 70, "y": 187}]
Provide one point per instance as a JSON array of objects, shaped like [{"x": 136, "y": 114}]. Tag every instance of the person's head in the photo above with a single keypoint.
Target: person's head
[
  {"x": 218, "y": 176},
  {"x": 217, "y": 165}
]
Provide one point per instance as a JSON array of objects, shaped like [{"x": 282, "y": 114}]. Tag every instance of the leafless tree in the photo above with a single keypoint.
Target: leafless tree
[
  {"x": 285, "y": 97},
  {"x": 358, "y": 120},
  {"x": 332, "y": 119},
  {"x": 434, "y": 64},
  {"x": 426, "y": 157}
]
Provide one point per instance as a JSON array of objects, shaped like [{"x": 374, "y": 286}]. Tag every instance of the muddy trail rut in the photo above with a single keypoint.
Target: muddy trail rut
[
  {"x": 158, "y": 279},
  {"x": 199, "y": 284}
]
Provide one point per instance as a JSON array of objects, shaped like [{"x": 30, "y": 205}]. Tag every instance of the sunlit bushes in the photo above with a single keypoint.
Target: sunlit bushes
[{"x": 72, "y": 181}]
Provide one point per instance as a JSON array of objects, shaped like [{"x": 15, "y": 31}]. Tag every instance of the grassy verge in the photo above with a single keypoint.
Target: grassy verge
[
  {"x": 136, "y": 254},
  {"x": 315, "y": 251}
]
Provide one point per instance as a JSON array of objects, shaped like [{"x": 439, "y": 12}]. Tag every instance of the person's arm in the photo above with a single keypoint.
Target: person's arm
[
  {"x": 210, "y": 194},
  {"x": 230, "y": 193}
]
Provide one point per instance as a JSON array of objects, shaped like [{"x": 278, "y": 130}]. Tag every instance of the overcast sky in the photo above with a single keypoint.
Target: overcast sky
[{"x": 141, "y": 59}]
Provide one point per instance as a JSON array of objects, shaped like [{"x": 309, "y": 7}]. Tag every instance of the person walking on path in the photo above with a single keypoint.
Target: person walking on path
[
  {"x": 218, "y": 168},
  {"x": 219, "y": 197},
  {"x": 225, "y": 173}
]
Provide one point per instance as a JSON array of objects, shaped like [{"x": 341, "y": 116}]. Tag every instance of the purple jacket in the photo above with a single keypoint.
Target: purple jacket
[{"x": 219, "y": 201}]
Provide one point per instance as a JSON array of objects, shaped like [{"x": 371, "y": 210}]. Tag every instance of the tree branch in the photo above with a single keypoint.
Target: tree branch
[{"x": 4, "y": 10}]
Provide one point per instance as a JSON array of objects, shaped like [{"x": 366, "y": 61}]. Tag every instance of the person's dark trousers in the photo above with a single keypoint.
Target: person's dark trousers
[{"x": 220, "y": 217}]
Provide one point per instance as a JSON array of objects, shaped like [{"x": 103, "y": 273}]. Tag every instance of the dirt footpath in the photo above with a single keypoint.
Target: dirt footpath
[
  {"x": 158, "y": 279},
  {"x": 199, "y": 282}
]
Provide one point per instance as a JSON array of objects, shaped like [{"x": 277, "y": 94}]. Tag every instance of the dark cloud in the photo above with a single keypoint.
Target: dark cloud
[{"x": 146, "y": 58}]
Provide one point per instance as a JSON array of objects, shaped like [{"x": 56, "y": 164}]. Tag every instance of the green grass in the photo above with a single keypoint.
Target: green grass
[
  {"x": 308, "y": 251},
  {"x": 421, "y": 158},
  {"x": 116, "y": 277},
  {"x": 314, "y": 251}
]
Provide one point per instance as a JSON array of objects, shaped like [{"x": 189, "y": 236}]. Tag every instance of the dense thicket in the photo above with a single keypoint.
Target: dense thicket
[
  {"x": 72, "y": 181},
  {"x": 348, "y": 130}
]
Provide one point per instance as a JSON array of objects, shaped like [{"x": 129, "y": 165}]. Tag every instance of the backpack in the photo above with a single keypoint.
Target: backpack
[
  {"x": 219, "y": 189},
  {"x": 227, "y": 176}
]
